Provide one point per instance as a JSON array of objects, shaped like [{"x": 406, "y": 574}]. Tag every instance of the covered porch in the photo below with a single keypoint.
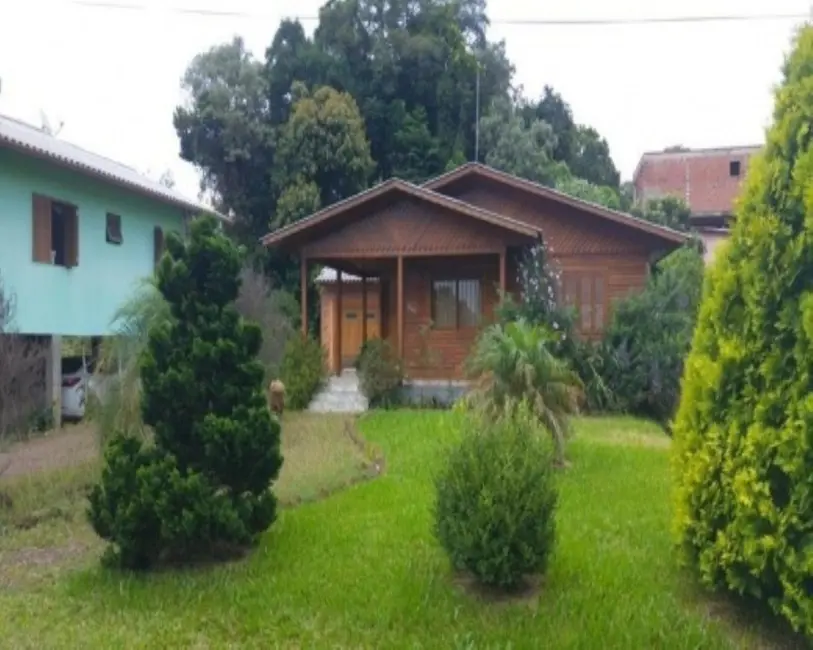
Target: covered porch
[{"x": 429, "y": 308}]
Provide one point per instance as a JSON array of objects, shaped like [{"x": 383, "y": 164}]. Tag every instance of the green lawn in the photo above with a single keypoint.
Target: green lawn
[{"x": 361, "y": 569}]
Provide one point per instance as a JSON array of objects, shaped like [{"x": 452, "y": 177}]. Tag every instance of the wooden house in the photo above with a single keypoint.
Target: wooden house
[{"x": 423, "y": 266}]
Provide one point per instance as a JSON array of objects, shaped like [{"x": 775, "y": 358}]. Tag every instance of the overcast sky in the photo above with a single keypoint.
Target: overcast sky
[{"x": 113, "y": 75}]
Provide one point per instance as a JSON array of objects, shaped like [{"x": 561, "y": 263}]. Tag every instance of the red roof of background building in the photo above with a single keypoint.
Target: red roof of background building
[{"x": 702, "y": 177}]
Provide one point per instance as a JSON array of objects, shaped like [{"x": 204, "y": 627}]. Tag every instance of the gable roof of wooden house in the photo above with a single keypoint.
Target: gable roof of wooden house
[
  {"x": 473, "y": 172},
  {"x": 436, "y": 193},
  {"x": 325, "y": 219}
]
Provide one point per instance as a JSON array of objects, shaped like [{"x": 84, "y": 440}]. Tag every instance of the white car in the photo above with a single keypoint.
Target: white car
[{"x": 76, "y": 374}]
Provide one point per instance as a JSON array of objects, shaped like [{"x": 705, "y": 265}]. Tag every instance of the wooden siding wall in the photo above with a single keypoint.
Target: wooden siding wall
[
  {"x": 437, "y": 244},
  {"x": 581, "y": 245},
  {"x": 567, "y": 231},
  {"x": 432, "y": 353}
]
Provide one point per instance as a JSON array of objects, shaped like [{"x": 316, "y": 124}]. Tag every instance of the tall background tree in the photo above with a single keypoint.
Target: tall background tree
[{"x": 398, "y": 79}]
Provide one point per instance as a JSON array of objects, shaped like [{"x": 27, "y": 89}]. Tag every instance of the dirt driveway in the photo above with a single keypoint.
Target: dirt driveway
[{"x": 72, "y": 445}]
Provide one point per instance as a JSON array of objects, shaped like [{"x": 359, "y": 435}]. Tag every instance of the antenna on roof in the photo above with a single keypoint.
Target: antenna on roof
[
  {"x": 477, "y": 108},
  {"x": 46, "y": 125}
]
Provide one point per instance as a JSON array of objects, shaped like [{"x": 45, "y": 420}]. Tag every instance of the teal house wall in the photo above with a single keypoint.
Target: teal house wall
[{"x": 78, "y": 301}]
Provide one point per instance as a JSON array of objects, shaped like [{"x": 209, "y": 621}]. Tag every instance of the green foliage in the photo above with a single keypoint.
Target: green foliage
[
  {"x": 591, "y": 158},
  {"x": 743, "y": 456},
  {"x": 151, "y": 509},
  {"x": 669, "y": 211},
  {"x": 582, "y": 189},
  {"x": 205, "y": 484},
  {"x": 321, "y": 148},
  {"x": 539, "y": 302},
  {"x": 418, "y": 152},
  {"x": 274, "y": 310},
  {"x": 525, "y": 150},
  {"x": 298, "y": 199},
  {"x": 120, "y": 409},
  {"x": 223, "y": 129},
  {"x": 580, "y": 147},
  {"x": 514, "y": 362},
  {"x": 650, "y": 336},
  {"x": 303, "y": 371},
  {"x": 381, "y": 373},
  {"x": 393, "y": 92},
  {"x": 496, "y": 499}
]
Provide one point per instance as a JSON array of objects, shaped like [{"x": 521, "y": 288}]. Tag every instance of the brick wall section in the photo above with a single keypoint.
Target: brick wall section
[{"x": 702, "y": 179}]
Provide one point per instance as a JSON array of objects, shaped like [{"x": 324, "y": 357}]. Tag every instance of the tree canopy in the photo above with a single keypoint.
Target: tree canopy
[{"x": 381, "y": 88}]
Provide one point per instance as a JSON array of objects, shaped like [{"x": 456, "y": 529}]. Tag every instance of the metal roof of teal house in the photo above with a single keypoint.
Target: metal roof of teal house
[{"x": 36, "y": 142}]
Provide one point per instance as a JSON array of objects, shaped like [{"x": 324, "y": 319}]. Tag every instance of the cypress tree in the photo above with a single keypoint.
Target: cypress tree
[
  {"x": 744, "y": 430},
  {"x": 204, "y": 486}
]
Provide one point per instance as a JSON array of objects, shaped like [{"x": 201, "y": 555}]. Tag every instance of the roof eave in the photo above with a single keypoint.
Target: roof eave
[
  {"x": 109, "y": 178},
  {"x": 592, "y": 208},
  {"x": 278, "y": 237}
]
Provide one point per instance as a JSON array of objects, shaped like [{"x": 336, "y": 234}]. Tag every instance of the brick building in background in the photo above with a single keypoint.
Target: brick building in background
[{"x": 707, "y": 179}]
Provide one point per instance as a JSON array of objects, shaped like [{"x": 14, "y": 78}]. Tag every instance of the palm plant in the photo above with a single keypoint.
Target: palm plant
[
  {"x": 514, "y": 362},
  {"x": 120, "y": 406}
]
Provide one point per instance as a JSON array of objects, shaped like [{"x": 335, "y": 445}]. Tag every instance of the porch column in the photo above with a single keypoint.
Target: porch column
[
  {"x": 503, "y": 272},
  {"x": 363, "y": 309},
  {"x": 400, "y": 289},
  {"x": 337, "y": 324},
  {"x": 303, "y": 293}
]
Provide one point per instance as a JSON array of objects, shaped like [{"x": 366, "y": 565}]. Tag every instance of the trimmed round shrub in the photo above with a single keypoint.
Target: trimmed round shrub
[
  {"x": 381, "y": 373},
  {"x": 496, "y": 498},
  {"x": 743, "y": 450},
  {"x": 303, "y": 371}
]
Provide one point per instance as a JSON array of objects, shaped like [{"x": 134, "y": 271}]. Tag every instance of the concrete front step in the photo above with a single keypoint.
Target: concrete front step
[{"x": 340, "y": 395}]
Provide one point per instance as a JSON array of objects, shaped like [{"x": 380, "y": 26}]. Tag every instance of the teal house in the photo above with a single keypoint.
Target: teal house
[{"x": 77, "y": 231}]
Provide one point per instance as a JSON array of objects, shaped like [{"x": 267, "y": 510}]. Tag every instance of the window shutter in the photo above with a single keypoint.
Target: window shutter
[
  {"x": 72, "y": 238},
  {"x": 41, "y": 229},
  {"x": 158, "y": 244}
]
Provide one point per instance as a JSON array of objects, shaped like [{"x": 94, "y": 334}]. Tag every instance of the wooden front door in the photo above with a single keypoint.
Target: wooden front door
[{"x": 352, "y": 332}]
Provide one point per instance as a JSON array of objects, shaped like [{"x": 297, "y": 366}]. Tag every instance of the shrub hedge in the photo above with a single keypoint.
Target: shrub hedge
[
  {"x": 303, "y": 371},
  {"x": 496, "y": 498},
  {"x": 744, "y": 449}
]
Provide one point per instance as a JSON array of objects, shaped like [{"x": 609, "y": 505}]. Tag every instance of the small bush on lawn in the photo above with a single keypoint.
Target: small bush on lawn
[
  {"x": 743, "y": 449},
  {"x": 204, "y": 485},
  {"x": 496, "y": 498},
  {"x": 303, "y": 371},
  {"x": 381, "y": 373}
]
